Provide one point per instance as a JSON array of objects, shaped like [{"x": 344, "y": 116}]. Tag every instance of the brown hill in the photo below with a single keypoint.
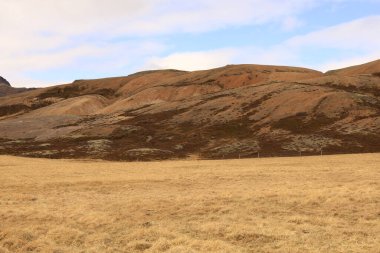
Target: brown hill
[
  {"x": 367, "y": 68},
  {"x": 237, "y": 110}
]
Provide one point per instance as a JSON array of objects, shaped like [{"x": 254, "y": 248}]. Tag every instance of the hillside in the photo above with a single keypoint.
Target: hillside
[
  {"x": 236, "y": 110},
  {"x": 372, "y": 68}
]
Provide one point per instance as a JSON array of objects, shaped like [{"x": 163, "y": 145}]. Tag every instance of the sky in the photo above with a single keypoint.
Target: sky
[{"x": 46, "y": 42}]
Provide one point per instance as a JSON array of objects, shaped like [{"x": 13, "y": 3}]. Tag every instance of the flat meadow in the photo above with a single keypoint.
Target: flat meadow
[{"x": 299, "y": 204}]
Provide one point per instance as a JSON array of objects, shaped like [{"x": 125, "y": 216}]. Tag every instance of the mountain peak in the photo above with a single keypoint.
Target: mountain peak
[{"x": 4, "y": 81}]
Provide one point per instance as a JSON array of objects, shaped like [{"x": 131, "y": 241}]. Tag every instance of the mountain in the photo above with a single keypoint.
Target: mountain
[
  {"x": 6, "y": 88},
  {"x": 229, "y": 112},
  {"x": 3, "y": 81}
]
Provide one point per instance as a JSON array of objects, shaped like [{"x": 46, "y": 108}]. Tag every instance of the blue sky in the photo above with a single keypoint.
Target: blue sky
[{"x": 51, "y": 42}]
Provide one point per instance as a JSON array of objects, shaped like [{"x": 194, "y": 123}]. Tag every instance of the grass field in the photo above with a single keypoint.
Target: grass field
[{"x": 305, "y": 204}]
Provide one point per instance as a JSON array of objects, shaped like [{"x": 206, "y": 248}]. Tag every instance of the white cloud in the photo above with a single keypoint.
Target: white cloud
[
  {"x": 206, "y": 15},
  {"x": 200, "y": 60},
  {"x": 349, "y": 61},
  {"x": 358, "y": 40},
  {"x": 85, "y": 58},
  {"x": 362, "y": 33},
  {"x": 44, "y": 34},
  {"x": 193, "y": 60},
  {"x": 361, "y": 37},
  {"x": 130, "y": 17},
  {"x": 291, "y": 23}
]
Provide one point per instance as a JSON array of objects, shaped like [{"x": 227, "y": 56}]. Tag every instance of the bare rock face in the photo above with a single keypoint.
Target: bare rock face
[
  {"x": 3, "y": 81},
  {"x": 229, "y": 112}
]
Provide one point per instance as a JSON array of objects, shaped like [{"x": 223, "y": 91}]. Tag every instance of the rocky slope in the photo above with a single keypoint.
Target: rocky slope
[{"x": 237, "y": 110}]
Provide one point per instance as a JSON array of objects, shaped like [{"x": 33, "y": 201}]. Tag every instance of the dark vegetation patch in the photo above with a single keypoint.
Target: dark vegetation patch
[
  {"x": 142, "y": 73},
  {"x": 147, "y": 154},
  {"x": 301, "y": 124},
  {"x": 354, "y": 142},
  {"x": 370, "y": 102},
  {"x": 364, "y": 89},
  {"x": 290, "y": 71},
  {"x": 17, "y": 108},
  {"x": 13, "y": 109},
  {"x": 273, "y": 147},
  {"x": 161, "y": 139},
  {"x": 188, "y": 82},
  {"x": 235, "y": 74},
  {"x": 222, "y": 109},
  {"x": 235, "y": 128},
  {"x": 72, "y": 91},
  {"x": 270, "y": 147},
  {"x": 131, "y": 112},
  {"x": 253, "y": 105},
  {"x": 214, "y": 97},
  {"x": 40, "y": 103},
  {"x": 67, "y": 125},
  {"x": 152, "y": 118},
  {"x": 315, "y": 109},
  {"x": 153, "y": 131},
  {"x": 376, "y": 74},
  {"x": 210, "y": 98},
  {"x": 169, "y": 142},
  {"x": 63, "y": 92},
  {"x": 128, "y": 131},
  {"x": 54, "y": 149},
  {"x": 233, "y": 149}
]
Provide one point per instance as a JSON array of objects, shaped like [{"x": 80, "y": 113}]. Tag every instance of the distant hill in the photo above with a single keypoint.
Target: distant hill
[
  {"x": 228, "y": 112},
  {"x": 3, "y": 81},
  {"x": 6, "y": 88},
  {"x": 367, "y": 68}
]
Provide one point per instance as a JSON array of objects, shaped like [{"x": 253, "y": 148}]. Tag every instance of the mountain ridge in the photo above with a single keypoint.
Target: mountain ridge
[{"x": 228, "y": 112}]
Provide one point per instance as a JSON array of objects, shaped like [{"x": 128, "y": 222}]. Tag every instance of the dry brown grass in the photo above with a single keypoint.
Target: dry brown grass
[{"x": 306, "y": 204}]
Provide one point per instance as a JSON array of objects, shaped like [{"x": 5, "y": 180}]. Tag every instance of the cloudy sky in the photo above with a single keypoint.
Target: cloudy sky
[{"x": 45, "y": 42}]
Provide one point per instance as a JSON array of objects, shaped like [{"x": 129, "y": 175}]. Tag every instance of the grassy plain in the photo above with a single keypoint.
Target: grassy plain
[{"x": 304, "y": 204}]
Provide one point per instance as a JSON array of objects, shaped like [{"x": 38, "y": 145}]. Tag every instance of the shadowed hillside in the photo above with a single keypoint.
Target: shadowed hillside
[{"x": 236, "y": 110}]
